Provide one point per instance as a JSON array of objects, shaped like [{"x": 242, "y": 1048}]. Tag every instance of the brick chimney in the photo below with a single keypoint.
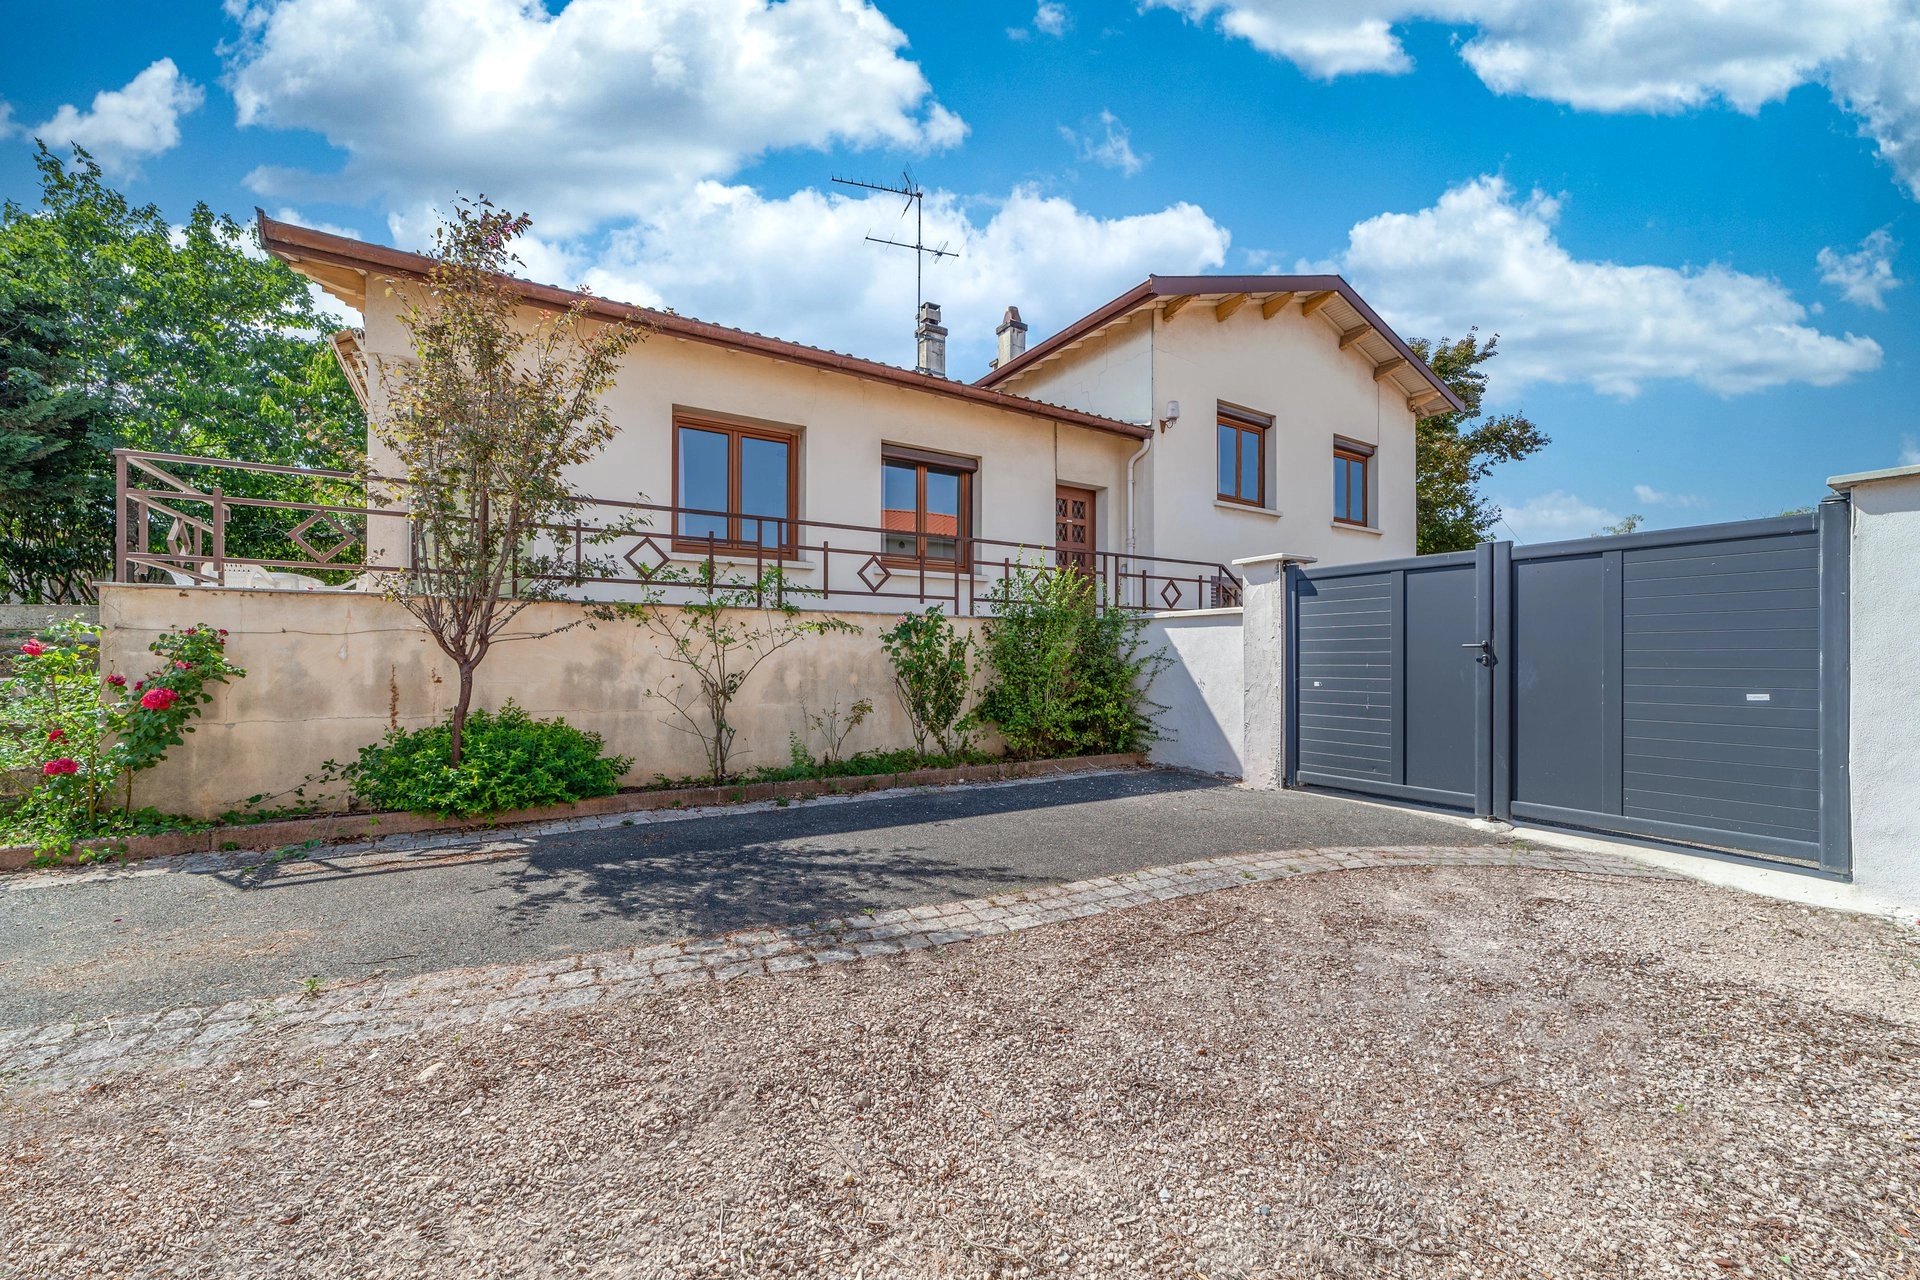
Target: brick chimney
[
  {"x": 1013, "y": 337},
  {"x": 930, "y": 342}
]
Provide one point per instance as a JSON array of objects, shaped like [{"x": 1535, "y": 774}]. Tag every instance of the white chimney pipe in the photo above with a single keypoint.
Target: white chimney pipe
[
  {"x": 1013, "y": 337},
  {"x": 930, "y": 342}
]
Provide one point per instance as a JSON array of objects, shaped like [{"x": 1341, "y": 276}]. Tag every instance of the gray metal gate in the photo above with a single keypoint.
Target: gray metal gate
[{"x": 1685, "y": 685}]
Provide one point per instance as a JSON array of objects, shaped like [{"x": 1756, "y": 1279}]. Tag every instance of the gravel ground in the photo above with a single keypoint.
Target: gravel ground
[{"x": 1369, "y": 1073}]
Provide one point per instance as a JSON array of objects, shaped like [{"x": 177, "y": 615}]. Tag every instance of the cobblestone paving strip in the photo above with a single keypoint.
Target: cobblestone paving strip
[{"x": 69, "y": 1053}]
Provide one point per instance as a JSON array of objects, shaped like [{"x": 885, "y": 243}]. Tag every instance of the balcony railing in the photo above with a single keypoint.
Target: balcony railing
[{"x": 206, "y": 522}]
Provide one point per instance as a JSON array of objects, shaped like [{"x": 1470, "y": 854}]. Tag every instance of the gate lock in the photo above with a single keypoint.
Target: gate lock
[{"x": 1486, "y": 651}]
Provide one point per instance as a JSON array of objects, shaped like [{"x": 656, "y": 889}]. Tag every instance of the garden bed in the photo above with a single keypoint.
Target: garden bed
[{"x": 345, "y": 827}]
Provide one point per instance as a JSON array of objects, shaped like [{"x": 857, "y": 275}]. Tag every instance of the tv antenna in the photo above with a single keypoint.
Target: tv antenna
[{"x": 914, "y": 196}]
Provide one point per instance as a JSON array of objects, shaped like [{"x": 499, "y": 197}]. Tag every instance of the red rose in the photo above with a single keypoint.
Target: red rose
[
  {"x": 54, "y": 768},
  {"x": 33, "y": 648},
  {"x": 182, "y": 666},
  {"x": 56, "y": 735},
  {"x": 116, "y": 680},
  {"x": 158, "y": 699},
  {"x": 221, "y": 632}
]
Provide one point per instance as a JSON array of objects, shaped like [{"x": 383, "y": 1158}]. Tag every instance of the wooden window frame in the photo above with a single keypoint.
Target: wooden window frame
[
  {"x": 736, "y": 542},
  {"x": 1348, "y": 451},
  {"x": 922, "y": 461},
  {"x": 1241, "y": 422}
]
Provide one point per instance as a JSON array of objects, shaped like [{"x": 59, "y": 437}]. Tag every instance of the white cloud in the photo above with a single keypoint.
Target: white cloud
[
  {"x": 1909, "y": 451},
  {"x": 1051, "y": 18},
  {"x": 1108, "y": 143},
  {"x": 581, "y": 115},
  {"x": 1483, "y": 256},
  {"x": 800, "y": 268},
  {"x": 1866, "y": 274},
  {"x": 1648, "y": 496},
  {"x": 1551, "y": 517},
  {"x": 127, "y": 125},
  {"x": 1625, "y": 55}
]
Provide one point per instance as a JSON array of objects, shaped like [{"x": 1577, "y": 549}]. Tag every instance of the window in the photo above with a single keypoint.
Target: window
[
  {"x": 1351, "y": 462},
  {"x": 734, "y": 486},
  {"x": 926, "y": 502},
  {"x": 1242, "y": 453}
]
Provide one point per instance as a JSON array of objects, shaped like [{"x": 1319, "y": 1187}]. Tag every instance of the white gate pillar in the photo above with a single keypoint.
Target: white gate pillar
[{"x": 1264, "y": 634}]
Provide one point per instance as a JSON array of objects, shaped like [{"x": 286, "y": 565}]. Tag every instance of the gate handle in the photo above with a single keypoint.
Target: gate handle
[{"x": 1486, "y": 651}]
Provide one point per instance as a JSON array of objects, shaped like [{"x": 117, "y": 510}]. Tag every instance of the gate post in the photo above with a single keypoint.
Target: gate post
[
  {"x": 1500, "y": 751},
  {"x": 1268, "y": 642},
  {"x": 1835, "y": 525}
]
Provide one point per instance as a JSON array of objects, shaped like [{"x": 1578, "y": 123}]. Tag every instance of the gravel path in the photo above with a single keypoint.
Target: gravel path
[{"x": 1453, "y": 1072}]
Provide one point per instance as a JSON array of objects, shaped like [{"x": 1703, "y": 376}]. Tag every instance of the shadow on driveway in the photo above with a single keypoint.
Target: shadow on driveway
[{"x": 158, "y": 937}]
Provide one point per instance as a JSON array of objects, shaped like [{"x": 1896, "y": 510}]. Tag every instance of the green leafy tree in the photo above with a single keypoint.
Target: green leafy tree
[
  {"x": 186, "y": 338},
  {"x": 1457, "y": 449},
  {"x": 482, "y": 430},
  {"x": 1626, "y": 525},
  {"x": 56, "y": 499}
]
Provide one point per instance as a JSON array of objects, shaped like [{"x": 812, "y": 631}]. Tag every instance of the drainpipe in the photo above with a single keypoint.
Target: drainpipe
[{"x": 1145, "y": 446}]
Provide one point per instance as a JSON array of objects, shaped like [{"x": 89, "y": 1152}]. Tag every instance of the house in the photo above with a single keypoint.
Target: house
[{"x": 1189, "y": 422}]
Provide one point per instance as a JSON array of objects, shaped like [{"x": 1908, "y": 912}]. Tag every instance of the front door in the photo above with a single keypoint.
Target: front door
[{"x": 1073, "y": 528}]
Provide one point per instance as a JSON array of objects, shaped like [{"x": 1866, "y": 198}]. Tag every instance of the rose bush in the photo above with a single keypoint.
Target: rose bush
[{"x": 86, "y": 735}]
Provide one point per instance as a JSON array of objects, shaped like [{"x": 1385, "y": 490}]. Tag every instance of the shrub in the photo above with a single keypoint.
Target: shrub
[
  {"x": 1066, "y": 671},
  {"x": 933, "y": 673},
  {"x": 509, "y": 760},
  {"x": 84, "y": 736}
]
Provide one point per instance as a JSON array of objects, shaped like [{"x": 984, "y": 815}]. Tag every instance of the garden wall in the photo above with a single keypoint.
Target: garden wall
[
  {"x": 1202, "y": 690},
  {"x": 330, "y": 672}
]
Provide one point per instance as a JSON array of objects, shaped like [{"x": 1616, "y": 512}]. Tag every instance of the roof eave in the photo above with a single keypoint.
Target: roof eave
[
  {"x": 296, "y": 244},
  {"x": 1155, "y": 288}
]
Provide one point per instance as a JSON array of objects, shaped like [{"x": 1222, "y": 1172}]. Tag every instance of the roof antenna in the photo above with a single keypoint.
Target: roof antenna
[{"x": 914, "y": 196}]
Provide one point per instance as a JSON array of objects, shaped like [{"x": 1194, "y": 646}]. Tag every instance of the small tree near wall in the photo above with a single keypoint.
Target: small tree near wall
[
  {"x": 717, "y": 635},
  {"x": 933, "y": 673},
  {"x": 482, "y": 427}
]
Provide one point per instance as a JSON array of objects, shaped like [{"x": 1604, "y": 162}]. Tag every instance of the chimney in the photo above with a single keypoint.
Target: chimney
[
  {"x": 930, "y": 342},
  {"x": 1013, "y": 337}
]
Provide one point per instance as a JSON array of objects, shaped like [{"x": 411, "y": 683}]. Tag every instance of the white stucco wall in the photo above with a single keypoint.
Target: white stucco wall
[
  {"x": 1884, "y": 710},
  {"x": 1290, "y": 367},
  {"x": 1111, "y": 374},
  {"x": 840, "y": 423},
  {"x": 1202, "y": 691}
]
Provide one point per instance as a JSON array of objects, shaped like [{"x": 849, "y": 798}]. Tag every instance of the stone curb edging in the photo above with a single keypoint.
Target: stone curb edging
[
  {"x": 333, "y": 828},
  {"x": 60, "y": 1053}
]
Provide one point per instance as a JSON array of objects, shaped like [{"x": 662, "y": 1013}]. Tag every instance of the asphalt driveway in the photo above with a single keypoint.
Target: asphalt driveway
[{"x": 162, "y": 935}]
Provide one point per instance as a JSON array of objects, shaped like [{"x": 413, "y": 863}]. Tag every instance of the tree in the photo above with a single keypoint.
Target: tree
[
  {"x": 56, "y": 500},
  {"x": 1626, "y": 525},
  {"x": 479, "y": 433},
  {"x": 719, "y": 634},
  {"x": 1456, "y": 450},
  {"x": 186, "y": 338}
]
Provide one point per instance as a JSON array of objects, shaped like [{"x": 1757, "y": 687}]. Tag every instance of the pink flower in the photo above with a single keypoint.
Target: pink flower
[
  {"x": 116, "y": 681},
  {"x": 56, "y": 735},
  {"x": 33, "y": 648},
  {"x": 182, "y": 666},
  {"x": 54, "y": 768},
  {"x": 158, "y": 699}
]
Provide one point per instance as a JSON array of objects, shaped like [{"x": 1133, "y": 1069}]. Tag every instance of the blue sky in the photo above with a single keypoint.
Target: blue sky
[{"x": 1688, "y": 225}]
